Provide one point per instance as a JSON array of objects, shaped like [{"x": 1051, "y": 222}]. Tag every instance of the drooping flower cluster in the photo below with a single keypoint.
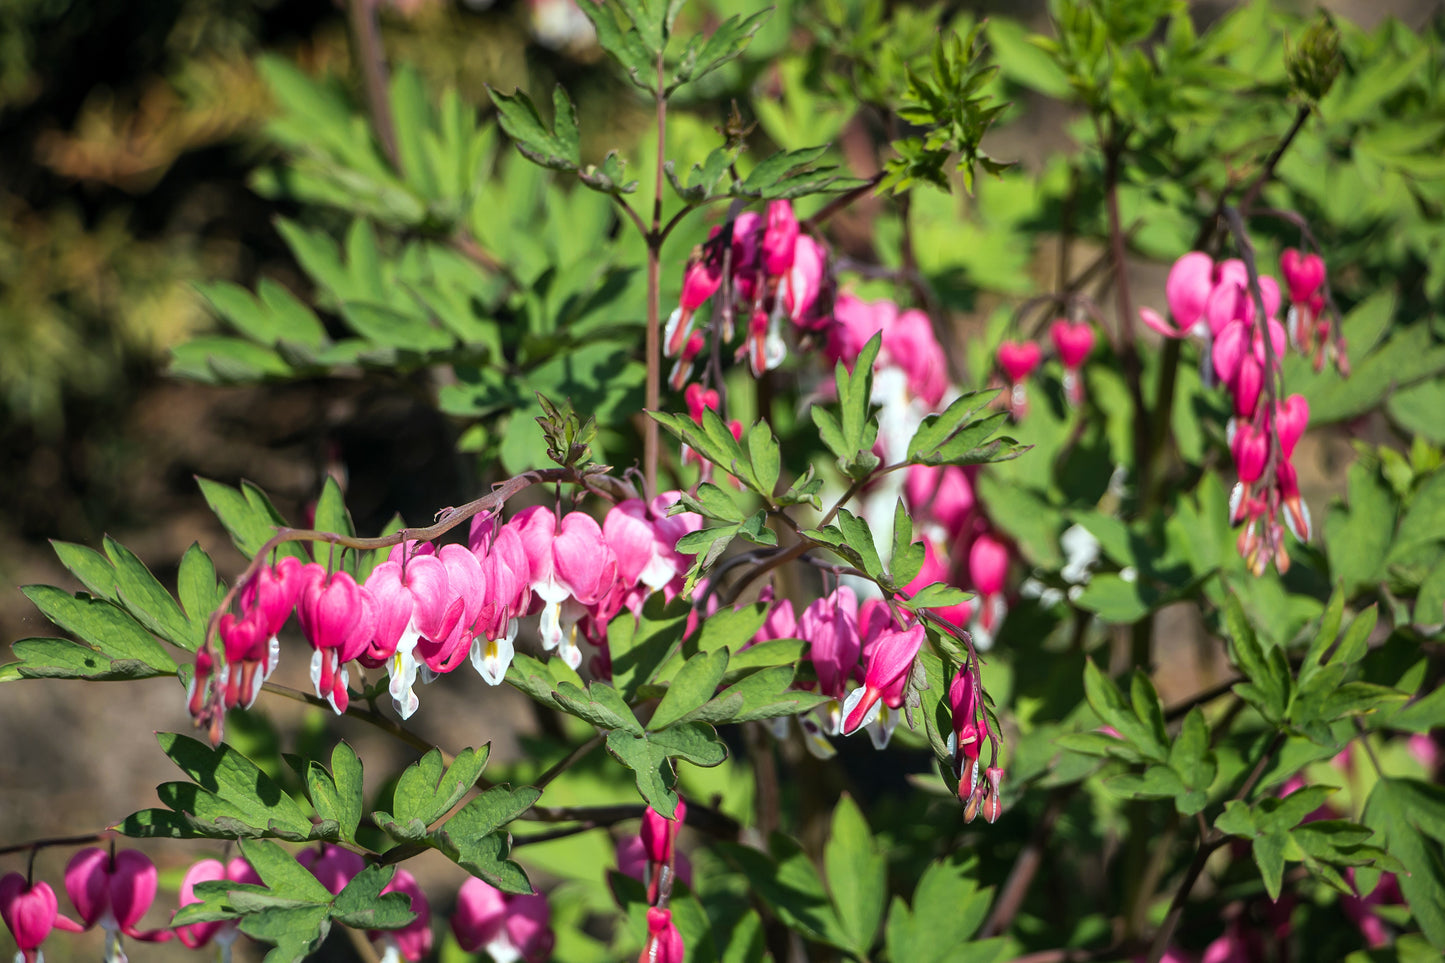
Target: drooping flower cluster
[
  {"x": 971, "y": 729},
  {"x": 427, "y": 611},
  {"x": 768, "y": 271},
  {"x": 1217, "y": 303},
  {"x": 654, "y": 858}
]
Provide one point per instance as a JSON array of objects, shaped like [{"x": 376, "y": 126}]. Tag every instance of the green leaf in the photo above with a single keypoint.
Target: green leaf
[
  {"x": 427, "y": 789},
  {"x": 239, "y": 785},
  {"x": 765, "y": 458},
  {"x": 860, "y": 539},
  {"x": 65, "y": 659},
  {"x": 1400, "y": 814},
  {"x": 767, "y": 694},
  {"x": 640, "y": 645},
  {"x": 555, "y": 148},
  {"x": 694, "y": 685},
  {"x": 199, "y": 590},
  {"x": 248, "y": 515},
  {"x": 857, "y": 879},
  {"x": 1108, "y": 703},
  {"x": 725, "y": 44},
  {"x": 1358, "y": 537},
  {"x": 146, "y": 599},
  {"x": 362, "y": 905},
  {"x": 732, "y": 628},
  {"x": 786, "y": 881},
  {"x": 600, "y": 704},
  {"x": 647, "y": 756},
  {"x": 112, "y": 631},
  {"x": 95, "y": 571},
  {"x": 948, "y": 908},
  {"x": 473, "y": 839}
]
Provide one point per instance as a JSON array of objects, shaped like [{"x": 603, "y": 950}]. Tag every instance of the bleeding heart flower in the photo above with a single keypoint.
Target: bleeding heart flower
[
  {"x": 571, "y": 568},
  {"x": 890, "y": 659},
  {"x": 414, "y": 940},
  {"x": 779, "y": 239},
  {"x": 1018, "y": 361},
  {"x": 1073, "y": 342},
  {"x": 1187, "y": 289},
  {"x": 509, "y": 927},
  {"x": 339, "y": 620},
  {"x": 224, "y": 932},
  {"x": 30, "y": 913},
  {"x": 113, "y": 891},
  {"x": 1303, "y": 274},
  {"x": 1292, "y": 417},
  {"x": 664, "y": 942},
  {"x": 332, "y": 866}
]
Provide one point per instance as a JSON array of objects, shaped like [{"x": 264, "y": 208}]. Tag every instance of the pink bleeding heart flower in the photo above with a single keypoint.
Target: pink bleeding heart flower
[
  {"x": 1231, "y": 346},
  {"x": 804, "y": 282},
  {"x": 339, "y": 620},
  {"x": 779, "y": 239},
  {"x": 414, "y": 940},
  {"x": 224, "y": 932},
  {"x": 1187, "y": 288},
  {"x": 1292, "y": 417},
  {"x": 664, "y": 942},
  {"x": 780, "y": 623},
  {"x": 747, "y": 256},
  {"x": 113, "y": 892},
  {"x": 1246, "y": 386},
  {"x": 890, "y": 660},
  {"x": 682, "y": 367},
  {"x": 855, "y": 323},
  {"x": 910, "y": 344},
  {"x": 830, "y": 627},
  {"x": 641, "y": 544},
  {"x": 700, "y": 281},
  {"x": 1073, "y": 342},
  {"x": 1303, "y": 274},
  {"x": 941, "y": 495},
  {"x": 271, "y": 596},
  {"x": 508, "y": 927},
  {"x": 967, "y": 738},
  {"x": 1018, "y": 361},
  {"x": 332, "y": 866},
  {"x": 659, "y": 844},
  {"x": 571, "y": 568},
  {"x": 1250, "y": 449},
  {"x": 411, "y": 602},
  {"x": 244, "y": 642},
  {"x": 632, "y": 861},
  {"x": 506, "y": 573},
  {"x": 988, "y": 560},
  {"x": 447, "y": 649},
  {"x": 30, "y": 913}
]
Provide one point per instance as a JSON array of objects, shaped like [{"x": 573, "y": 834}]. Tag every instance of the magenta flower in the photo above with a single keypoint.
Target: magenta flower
[
  {"x": 508, "y": 927},
  {"x": 1304, "y": 274},
  {"x": 966, "y": 741},
  {"x": 412, "y": 601},
  {"x": 1018, "y": 361},
  {"x": 30, "y": 913},
  {"x": 414, "y": 940},
  {"x": 664, "y": 942},
  {"x": 700, "y": 281},
  {"x": 1073, "y": 342},
  {"x": 890, "y": 659},
  {"x": 332, "y": 866},
  {"x": 223, "y": 932},
  {"x": 935, "y": 569},
  {"x": 1292, "y": 417},
  {"x": 941, "y": 498},
  {"x": 910, "y": 344},
  {"x": 988, "y": 560},
  {"x": 803, "y": 284},
  {"x": 339, "y": 620},
  {"x": 113, "y": 891},
  {"x": 780, "y": 238},
  {"x": 659, "y": 844},
  {"x": 506, "y": 573},
  {"x": 830, "y": 627},
  {"x": 571, "y": 568},
  {"x": 632, "y": 861}
]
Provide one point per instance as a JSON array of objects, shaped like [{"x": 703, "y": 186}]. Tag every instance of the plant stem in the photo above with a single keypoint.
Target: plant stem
[
  {"x": 571, "y": 759},
  {"x": 840, "y": 202},
  {"x": 80, "y": 839},
  {"x": 652, "y": 394},
  {"x": 389, "y": 726},
  {"x": 371, "y": 61}
]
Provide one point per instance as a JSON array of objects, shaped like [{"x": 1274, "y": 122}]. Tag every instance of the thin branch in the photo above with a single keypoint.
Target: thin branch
[
  {"x": 80, "y": 839},
  {"x": 840, "y": 202},
  {"x": 571, "y": 759},
  {"x": 371, "y": 61},
  {"x": 389, "y": 726},
  {"x": 653, "y": 347},
  {"x": 1252, "y": 192}
]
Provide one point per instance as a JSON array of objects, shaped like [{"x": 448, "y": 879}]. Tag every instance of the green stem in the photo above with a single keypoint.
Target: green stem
[{"x": 652, "y": 392}]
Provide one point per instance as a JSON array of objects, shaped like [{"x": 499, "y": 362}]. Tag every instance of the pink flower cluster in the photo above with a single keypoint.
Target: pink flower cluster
[
  {"x": 428, "y": 611},
  {"x": 772, "y": 272},
  {"x": 971, "y": 729},
  {"x": 1214, "y": 301},
  {"x": 654, "y": 859},
  {"x": 1073, "y": 343}
]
